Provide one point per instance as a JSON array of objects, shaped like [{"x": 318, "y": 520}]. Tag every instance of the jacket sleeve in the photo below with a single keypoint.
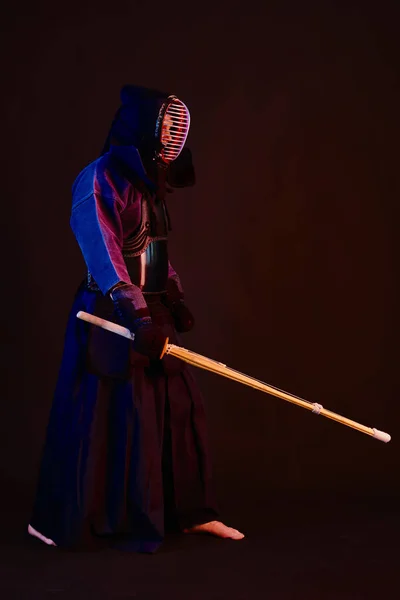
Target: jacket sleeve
[{"x": 96, "y": 224}]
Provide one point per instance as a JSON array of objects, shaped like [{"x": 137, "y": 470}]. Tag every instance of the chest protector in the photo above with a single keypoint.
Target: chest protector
[{"x": 145, "y": 251}]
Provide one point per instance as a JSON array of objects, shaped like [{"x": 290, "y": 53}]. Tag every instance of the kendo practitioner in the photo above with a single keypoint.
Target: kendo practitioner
[{"x": 126, "y": 454}]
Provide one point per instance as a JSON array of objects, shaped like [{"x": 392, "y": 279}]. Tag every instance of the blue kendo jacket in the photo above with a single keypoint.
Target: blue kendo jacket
[{"x": 106, "y": 210}]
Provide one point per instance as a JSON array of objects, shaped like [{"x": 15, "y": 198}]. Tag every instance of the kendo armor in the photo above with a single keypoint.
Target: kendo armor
[{"x": 146, "y": 251}]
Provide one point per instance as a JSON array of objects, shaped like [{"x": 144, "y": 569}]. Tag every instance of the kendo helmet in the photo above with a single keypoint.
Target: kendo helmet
[{"x": 157, "y": 124}]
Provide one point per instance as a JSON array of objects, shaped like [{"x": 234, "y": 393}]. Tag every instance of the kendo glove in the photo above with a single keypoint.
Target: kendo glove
[
  {"x": 183, "y": 318},
  {"x": 149, "y": 338}
]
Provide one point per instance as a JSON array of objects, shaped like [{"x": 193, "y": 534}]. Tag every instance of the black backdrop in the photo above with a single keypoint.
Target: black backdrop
[{"x": 286, "y": 246}]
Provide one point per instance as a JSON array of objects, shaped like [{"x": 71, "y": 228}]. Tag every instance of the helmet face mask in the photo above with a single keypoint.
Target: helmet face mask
[
  {"x": 172, "y": 129},
  {"x": 156, "y": 124}
]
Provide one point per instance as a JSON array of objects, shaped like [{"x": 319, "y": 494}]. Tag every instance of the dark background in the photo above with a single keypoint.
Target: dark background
[{"x": 286, "y": 246}]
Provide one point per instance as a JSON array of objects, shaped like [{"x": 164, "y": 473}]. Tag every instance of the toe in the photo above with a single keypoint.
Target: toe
[{"x": 237, "y": 535}]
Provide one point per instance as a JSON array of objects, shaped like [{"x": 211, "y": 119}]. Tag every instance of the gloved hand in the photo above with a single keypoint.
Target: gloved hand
[
  {"x": 149, "y": 339},
  {"x": 134, "y": 314},
  {"x": 183, "y": 318}
]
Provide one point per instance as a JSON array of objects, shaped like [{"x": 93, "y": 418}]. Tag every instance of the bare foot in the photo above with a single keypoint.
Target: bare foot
[
  {"x": 41, "y": 537},
  {"x": 216, "y": 528}
]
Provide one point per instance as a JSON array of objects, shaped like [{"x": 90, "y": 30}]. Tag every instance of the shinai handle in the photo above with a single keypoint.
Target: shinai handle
[
  {"x": 108, "y": 325},
  {"x": 113, "y": 327}
]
